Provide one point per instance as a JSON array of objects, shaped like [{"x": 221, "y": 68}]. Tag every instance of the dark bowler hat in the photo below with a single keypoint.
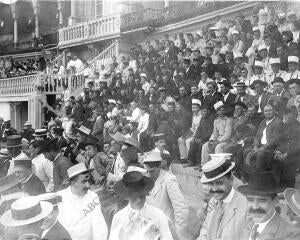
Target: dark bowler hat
[
  {"x": 14, "y": 141},
  {"x": 261, "y": 183},
  {"x": 278, "y": 80},
  {"x": 158, "y": 136},
  {"x": 58, "y": 130},
  {"x": 258, "y": 81},
  {"x": 226, "y": 83},
  {"x": 241, "y": 84},
  {"x": 47, "y": 145},
  {"x": 133, "y": 184},
  {"x": 8, "y": 182}
]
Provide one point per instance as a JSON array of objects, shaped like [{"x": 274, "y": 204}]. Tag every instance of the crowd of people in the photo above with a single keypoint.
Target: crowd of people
[{"x": 225, "y": 103}]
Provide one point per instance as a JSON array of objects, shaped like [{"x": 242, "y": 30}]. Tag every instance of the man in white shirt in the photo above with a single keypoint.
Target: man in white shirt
[
  {"x": 78, "y": 64},
  {"x": 138, "y": 220},
  {"x": 143, "y": 122},
  {"x": 264, "y": 221},
  {"x": 80, "y": 210},
  {"x": 276, "y": 72},
  {"x": 293, "y": 73},
  {"x": 185, "y": 140},
  {"x": 43, "y": 169},
  {"x": 145, "y": 84},
  {"x": 136, "y": 112}
]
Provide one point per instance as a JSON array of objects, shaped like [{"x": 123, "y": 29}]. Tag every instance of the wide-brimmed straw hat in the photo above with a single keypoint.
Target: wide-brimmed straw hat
[
  {"x": 292, "y": 196},
  {"x": 26, "y": 210},
  {"x": 133, "y": 184}
]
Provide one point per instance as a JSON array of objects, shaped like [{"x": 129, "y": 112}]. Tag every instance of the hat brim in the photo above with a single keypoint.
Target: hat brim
[
  {"x": 246, "y": 190},
  {"x": 67, "y": 180},
  {"x": 204, "y": 179},
  {"x": 9, "y": 185},
  {"x": 288, "y": 195},
  {"x": 7, "y": 219},
  {"x": 123, "y": 192},
  {"x": 18, "y": 145},
  {"x": 260, "y": 82}
]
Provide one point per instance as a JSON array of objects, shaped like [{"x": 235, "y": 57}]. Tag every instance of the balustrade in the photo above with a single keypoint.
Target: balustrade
[
  {"x": 42, "y": 83},
  {"x": 98, "y": 28}
]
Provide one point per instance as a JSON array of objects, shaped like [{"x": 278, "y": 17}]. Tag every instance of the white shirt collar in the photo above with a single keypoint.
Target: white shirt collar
[
  {"x": 270, "y": 120},
  {"x": 261, "y": 226},
  {"x": 229, "y": 196},
  {"x": 56, "y": 157}
]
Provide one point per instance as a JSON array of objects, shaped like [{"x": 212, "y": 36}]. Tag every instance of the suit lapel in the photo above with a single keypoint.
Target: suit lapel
[
  {"x": 158, "y": 185},
  {"x": 230, "y": 213},
  {"x": 271, "y": 229}
]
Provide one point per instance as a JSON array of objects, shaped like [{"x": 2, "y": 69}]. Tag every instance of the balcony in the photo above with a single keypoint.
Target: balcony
[
  {"x": 25, "y": 86},
  {"x": 102, "y": 28}
]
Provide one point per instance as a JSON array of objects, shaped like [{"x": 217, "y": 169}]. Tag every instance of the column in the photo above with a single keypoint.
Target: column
[
  {"x": 15, "y": 18},
  {"x": 73, "y": 12},
  {"x": 36, "y": 11},
  {"x": 60, "y": 12}
]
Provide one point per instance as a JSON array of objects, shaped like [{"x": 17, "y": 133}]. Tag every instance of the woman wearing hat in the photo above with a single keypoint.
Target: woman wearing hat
[{"x": 138, "y": 220}]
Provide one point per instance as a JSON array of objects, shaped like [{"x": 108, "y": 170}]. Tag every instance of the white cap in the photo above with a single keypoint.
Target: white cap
[
  {"x": 293, "y": 59},
  {"x": 237, "y": 55},
  {"x": 290, "y": 13},
  {"x": 281, "y": 15},
  {"x": 112, "y": 101},
  {"x": 235, "y": 32},
  {"x": 258, "y": 64},
  {"x": 143, "y": 75},
  {"x": 196, "y": 101},
  {"x": 274, "y": 61},
  {"x": 262, "y": 47},
  {"x": 255, "y": 28},
  {"x": 218, "y": 105}
]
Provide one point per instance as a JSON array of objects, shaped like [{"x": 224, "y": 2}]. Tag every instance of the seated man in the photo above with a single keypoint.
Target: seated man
[
  {"x": 221, "y": 134},
  {"x": 201, "y": 136},
  {"x": 185, "y": 139}
]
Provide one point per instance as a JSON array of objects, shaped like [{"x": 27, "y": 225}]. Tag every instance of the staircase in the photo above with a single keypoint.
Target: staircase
[{"x": 105, "y": 56}]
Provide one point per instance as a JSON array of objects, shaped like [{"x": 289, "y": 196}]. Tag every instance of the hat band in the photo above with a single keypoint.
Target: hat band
[
  {"x": 218, "y": 170},
  {"x": 26, "y": 213}
]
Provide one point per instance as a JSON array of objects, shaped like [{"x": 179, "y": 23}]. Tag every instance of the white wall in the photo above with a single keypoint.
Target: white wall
[{"x": 5, "y": 111}]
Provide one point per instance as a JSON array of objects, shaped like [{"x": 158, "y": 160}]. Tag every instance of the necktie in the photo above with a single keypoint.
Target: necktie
[
  {"x": 254, "y": 233},
  {"x": 216, "y": 221}
]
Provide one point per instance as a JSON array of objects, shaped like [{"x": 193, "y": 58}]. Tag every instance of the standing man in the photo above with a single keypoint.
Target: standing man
[
  {"x": 138, "y": 220},
  {"x": 80, "y": 210},
  {"x": 30, "y": 183},
  {"x": 226, "y": 220},
  {"x": 166, "y": 194},
  {"x": 265, "y": 222}
]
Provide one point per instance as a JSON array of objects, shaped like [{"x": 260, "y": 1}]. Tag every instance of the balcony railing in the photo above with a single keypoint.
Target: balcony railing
[
  {"x": 40, "y": 83},
  {"x": 139, "y": 19},
  {"x": 189, "y": 9},
  {"x": 96, "y": 29}
]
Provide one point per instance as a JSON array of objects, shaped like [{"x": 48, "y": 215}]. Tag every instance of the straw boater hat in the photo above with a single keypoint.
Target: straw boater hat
[
  {"x": 217, "y": 167},
  {"x": 22, "y": 160},
  {"x": 218, "y": 105},
  {"x": 292, "y": 196},
  {"x": 133, "y": 184},
  {"x": 261, "y": 183},
  {"x": 152, "y": 157},
  {"x": 132, "y": 142},
  {"x": 158, "y": 136},
  {"x": 27, "y": 123},
  {"x": 76, "y": 170},
  {"x": 240, "y": 84},
  {"x": 40, "y": 132},
  {"x": 26, "y": 210}
]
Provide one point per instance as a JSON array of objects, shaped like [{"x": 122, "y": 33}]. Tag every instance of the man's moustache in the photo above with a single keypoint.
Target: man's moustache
[
  {"x": 258, "y": 211},
  {"x": 217, "y": 191}
]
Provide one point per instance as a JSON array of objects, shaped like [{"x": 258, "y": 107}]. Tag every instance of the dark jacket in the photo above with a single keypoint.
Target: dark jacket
[
  {"x": 33, "y": 186},
  {"x": 264, "y": 100},
  {"x": 228, "y": 103},
  {"x": 60, "y": 167},
  {"x": 205, "y": 128},
  {"x": 273, "y": 131},
  {"x": 57, "y": 232},
  {"x": 211, "y": 99}
]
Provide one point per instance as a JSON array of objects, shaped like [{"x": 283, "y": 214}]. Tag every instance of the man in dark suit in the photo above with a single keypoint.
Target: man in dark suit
[
  {"x": 242, "y": 96},
  {"x": 189, "y": 69},
  {"x": 292, "y": 47},
  {"x": 201, "y": 136},
  {"x": 52, "y": 228},
  {"x": 152, "y": 96},
  {"x": 57, "y": 133},
  {"x": 262, "y": 97},
  {"x": 212, "y": 95},
  {"x": 228, "y": 97},
  {"x": 264, "y": 221},
  {"x": 287, "y": 148},
  {"x": 60, "y": 162},
  {"x": 30, "y": 183}
]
